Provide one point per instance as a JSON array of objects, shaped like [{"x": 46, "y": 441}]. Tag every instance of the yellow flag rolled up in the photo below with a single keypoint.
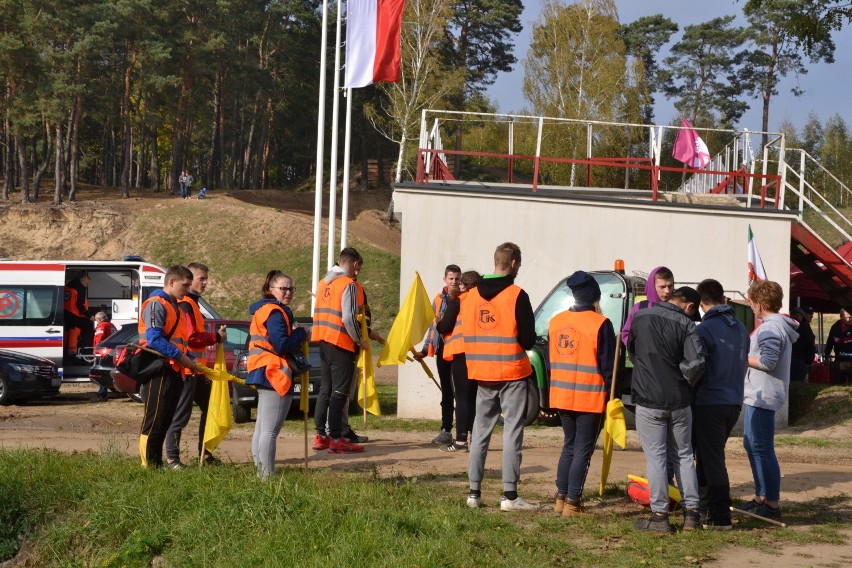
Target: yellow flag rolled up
[
  {"x": 411, "y": 323},
  {"x": 615, "y": 430},
  {"x": 219, "y": 417},
  {"x": 367, "y": 380}
]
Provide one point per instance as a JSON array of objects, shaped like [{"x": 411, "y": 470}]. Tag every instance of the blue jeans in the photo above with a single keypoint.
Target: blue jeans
[
  {"x": 759, "y": 442},
  {"x": 580, "y": 431}
]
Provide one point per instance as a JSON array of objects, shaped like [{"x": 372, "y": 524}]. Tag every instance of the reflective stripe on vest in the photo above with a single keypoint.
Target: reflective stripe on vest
[
  {"x": 576, "y": 382},
  {"x": 197, "y": 325},
  {"x": 178, "y": 338},
  {"x": 261, "y": 353},
  {"x": 454, "y": 341},
  {"x": 328, "y": 323},
  {"x": 491, "y": 337}
]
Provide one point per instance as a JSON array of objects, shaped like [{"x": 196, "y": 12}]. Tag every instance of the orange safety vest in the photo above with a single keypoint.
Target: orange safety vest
[
  {"x": 576, "y": 382},
  {"x": 173, "y": 320},
  {"x": 491, "y": 337},
  {"x": 437, "y": 303},
  {"x": 194, "y": 322},
  {"x": 72, "y": 302},
  {"x": 328, "y": 315},
  {"x": 454, "y": 340},
  {"x": 261, "y": 353}
]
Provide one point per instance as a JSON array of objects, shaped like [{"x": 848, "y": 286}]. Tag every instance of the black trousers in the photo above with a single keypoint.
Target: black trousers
[
  {"x": 711, "y": 427},
  {"x": 161, "y": 398},
  {"x": 445, "y": 376},
  {"x": 465, "y": 394},
  {"x": 338, "y": 370}
]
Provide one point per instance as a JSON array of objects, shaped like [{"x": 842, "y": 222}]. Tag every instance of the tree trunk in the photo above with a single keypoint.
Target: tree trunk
[
  {"x": 74, "y": 154},
  {"x": 8, "y": 174},
  {"x": 155, "y": 163},
  {"x": 23, "y": 167},
  {"x": 212, "y": 154},
  {"x": 365, "y": 163},
  {"x": 247, "y": 157},
  {"x": 127, "y": 150},
  {"x": 48, "y": 146},
  {"x": 260, "y": 154},
  {"x": 59, "y": 166}
]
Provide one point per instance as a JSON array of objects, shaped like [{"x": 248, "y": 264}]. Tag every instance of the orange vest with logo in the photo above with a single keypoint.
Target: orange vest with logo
[
  {"x": 454, "y": 340},
  {"x": 173, "y": 321},
  {"x": 197, "y": 324},
  {"x": 72, "y": 302},
  {"x": 491, "y": 337},
  {"x": 437, "y": 303},
  {"x": 261, "y": 353},
  {"x": 328, "y": 312},
  {"x": 576, "y": 382}
]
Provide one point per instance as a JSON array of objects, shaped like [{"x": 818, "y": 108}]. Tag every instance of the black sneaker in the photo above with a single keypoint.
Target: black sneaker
[
  {"x": 657, "y": 522},
  {"x": 210, "y": 459},
  {"x": 691, "y": 520},
  {"x": 751, "y": 505},
  {"x": 765, "y": 510},
  {"x": 175, "y": 465},
  {"x": 354, "y": 438}
]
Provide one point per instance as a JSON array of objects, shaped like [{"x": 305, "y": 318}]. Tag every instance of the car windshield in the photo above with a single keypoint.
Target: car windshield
[
  {"x": 129, "y": 332},
  {"x": 561, "y": 298}
]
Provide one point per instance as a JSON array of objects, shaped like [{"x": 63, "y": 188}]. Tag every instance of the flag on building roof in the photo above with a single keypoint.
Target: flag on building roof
[
  {"x": 689, "y": 148},
  {"x": 756, "y": 271},
  {"x": 373, "y": 30}
]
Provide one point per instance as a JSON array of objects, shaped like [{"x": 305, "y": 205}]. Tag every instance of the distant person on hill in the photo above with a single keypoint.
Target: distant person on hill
[
  {"x": 274, "y": 333},
  {"x": 658, "y": 289},
  {"x": 804, "y": 349},
  {"x": 464, "y": 390},
  {"x": 183, "y": 182},
  {"x": 840, "y": 341},
  {"x": 433, "y": 346},
  {"x": 103, "y": 329},
  {"x": 766, "y": 390}
]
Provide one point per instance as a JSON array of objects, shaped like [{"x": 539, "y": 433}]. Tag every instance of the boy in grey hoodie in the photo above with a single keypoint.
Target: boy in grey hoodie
[{"x": 766, "y": 387}]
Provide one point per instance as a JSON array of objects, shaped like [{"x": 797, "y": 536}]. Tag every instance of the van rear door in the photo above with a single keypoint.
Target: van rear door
[{"x": 31, "y": 308}]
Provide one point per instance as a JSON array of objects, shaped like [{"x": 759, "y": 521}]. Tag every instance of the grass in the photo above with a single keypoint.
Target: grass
[{"x": 110, "y": 512}]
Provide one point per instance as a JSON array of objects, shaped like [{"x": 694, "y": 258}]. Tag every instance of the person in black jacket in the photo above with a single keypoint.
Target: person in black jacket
[
  {"x": 667, "y": 357},
  {"x": 804, "y": 349},
  {"x": 717, "y": 400}
]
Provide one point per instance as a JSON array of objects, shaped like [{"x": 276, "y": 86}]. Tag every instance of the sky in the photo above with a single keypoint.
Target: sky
[{"x": 826, "y": 86}]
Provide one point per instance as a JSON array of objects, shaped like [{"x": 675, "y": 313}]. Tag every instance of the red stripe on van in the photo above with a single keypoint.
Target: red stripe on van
[
  {"x": 30, "y": 266},
  {"x": 47, "y": 342},
  {"x": 147, "y": 268}
]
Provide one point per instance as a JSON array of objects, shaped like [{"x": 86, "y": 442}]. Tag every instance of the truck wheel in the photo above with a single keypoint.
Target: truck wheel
[{"x": 242, "y": 414}]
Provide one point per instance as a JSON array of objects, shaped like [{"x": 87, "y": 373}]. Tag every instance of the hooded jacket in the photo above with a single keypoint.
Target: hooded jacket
[
  {"x": 283, "y": 339},
  {"x": 667, "y": 357},
  {"x": 651, "y": 299},
  {"x": 726, "y": 344},
  {"x": 768, "y": 386}
]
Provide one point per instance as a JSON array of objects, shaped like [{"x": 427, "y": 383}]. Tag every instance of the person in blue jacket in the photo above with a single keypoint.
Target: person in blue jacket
[
  {"x": 716, "y": 402},
  {"x": 273, "y": 334}
]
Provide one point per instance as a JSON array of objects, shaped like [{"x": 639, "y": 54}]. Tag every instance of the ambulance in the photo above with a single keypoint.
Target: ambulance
[{"x": 32, "y": 298}]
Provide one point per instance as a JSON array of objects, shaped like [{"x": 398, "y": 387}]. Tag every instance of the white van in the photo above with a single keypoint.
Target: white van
[{"x": 32, "y": 298}]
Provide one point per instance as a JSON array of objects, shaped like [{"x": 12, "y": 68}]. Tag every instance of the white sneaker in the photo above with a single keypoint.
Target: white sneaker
[
  {"x": 516, "y": 505},
  {"x": 474, "y": 502}
]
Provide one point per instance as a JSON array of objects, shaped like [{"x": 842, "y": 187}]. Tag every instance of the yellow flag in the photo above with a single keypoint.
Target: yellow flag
[
  {"x": 219, "y": 417},
  {"x": 411, "y": 323},
  {"x": 366, "y": 378},
  {"x": 614, "y": 430}
]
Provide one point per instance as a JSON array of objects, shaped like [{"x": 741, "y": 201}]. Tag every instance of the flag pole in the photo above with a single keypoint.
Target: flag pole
[
  {"x": 320, "y": 156},
  {"x": 335, "y": 120},
  {"x": 304, "y": 397},
  {"x": 347, "y": 143}
]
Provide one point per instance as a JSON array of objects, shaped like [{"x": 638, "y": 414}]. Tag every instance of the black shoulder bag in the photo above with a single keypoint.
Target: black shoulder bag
[{"x": 142, "y": 364}]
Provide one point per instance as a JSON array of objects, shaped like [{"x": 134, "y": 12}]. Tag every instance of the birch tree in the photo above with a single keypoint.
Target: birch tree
[{"x": 425, "y": 81}]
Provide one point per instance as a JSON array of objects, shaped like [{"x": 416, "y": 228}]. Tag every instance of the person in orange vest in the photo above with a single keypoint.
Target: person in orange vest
[
  {"x": 464, "y": 389},
  {"x": 103, "y": 329},
  {"x": 160, "y": 329},
  {"x": 339, "y": 299},
  {"x": 433, "y": 346},
  {"x": 273, "y": 333},
  {"x": 76, "y": 316},
  {"x": 195, "y": 387},
  {"x": 581, "y": 356},
  {"x": 498, "y": 327}
]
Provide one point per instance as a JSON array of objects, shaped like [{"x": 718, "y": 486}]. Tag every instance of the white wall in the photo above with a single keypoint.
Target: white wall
[{"x": 560, "y": 235}]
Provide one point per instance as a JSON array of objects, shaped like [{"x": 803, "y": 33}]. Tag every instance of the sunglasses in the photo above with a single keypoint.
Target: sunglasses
[{"x": 284, "y": 288}]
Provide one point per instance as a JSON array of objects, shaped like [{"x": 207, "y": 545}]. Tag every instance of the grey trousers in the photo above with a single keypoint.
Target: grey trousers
[
  {"x": 665, "y": 433},
  {"x": 272, "y": 410},
  {"x": 492, "y": 398}
]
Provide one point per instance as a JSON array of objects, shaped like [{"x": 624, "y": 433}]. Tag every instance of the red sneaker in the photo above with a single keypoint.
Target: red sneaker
[
  {"x": 321, "y": 442},
  {"x": 343, "y": 447}
]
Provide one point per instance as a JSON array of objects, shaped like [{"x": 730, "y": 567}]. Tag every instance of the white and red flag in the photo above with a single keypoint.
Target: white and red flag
[
  {"x": 373, "y": 29},
  {"x": 756, "y": 271},
  {"x": 689, "y": 148}
]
